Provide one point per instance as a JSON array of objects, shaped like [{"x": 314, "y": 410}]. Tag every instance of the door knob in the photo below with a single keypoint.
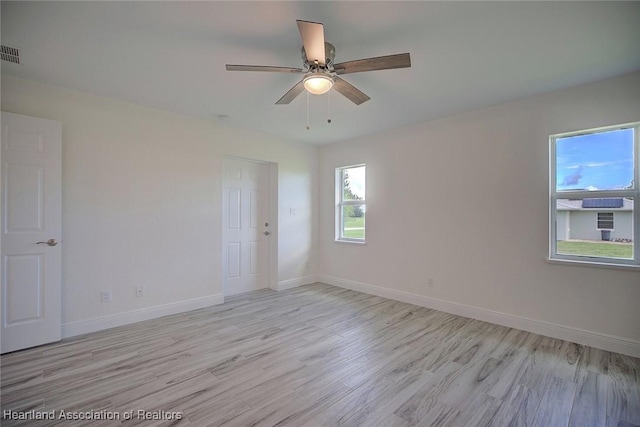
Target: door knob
[
  {"x": 266, "y": 233},
  {"x": 50, "y": 242}
]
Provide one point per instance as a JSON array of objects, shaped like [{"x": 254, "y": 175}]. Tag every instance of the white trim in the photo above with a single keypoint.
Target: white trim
[
  {"x": 129, "y": 317},
  {"x": 294, "y": 283},
  {"x": 579, "y": 336},
  {"x": 351, "y": 241},
  {"x": 579, "y": 263},
  {"x": 594, "y": 130}
]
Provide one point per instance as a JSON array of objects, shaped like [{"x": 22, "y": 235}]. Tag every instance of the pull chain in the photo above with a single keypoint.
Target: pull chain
[
  {"x": 329, "y": 108},
  {"x": 308, "y": 111}
]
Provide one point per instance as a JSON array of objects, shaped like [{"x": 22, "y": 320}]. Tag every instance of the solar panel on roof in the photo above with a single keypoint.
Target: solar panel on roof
[{"x": 603, "y": 203}]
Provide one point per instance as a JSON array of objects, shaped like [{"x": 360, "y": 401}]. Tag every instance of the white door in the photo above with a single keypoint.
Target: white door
[
  {"x": 31, "y": 168},
  {"x": 245, "y": 207}
]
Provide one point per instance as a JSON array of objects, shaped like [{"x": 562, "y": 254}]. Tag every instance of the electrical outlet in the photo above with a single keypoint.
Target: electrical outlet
[
  {"x": 430, "y": 282},
  {"x": 139, "y": 291},
  {"x": 292, "y": 211},
  {"x": 105, "y": 295}
]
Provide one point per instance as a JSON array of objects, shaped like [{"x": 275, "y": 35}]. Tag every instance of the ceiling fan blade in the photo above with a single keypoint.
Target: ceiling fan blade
[
  {"x": 263, "y": 68},
  {"x": 292, "y": 93},
  {"x": 401, "y": 60},
  {"x": 312, "y": 34},
  {"x": 352, "y": 93}
]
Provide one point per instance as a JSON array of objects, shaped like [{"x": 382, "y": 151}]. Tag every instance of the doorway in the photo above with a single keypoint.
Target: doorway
[
  {"x": 30, "y": 298},
  {"x": 248, "y": 232}
]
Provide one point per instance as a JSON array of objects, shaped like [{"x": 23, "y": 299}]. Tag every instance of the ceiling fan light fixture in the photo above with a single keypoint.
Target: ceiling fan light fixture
[{"x": 318, "y": 83}]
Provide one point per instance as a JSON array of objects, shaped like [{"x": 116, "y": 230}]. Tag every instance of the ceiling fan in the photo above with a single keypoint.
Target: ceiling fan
[{"x": 321, "y": 74}]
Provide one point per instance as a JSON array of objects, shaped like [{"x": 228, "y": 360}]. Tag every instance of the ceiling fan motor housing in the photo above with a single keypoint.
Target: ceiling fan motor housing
[{"x": 329, "y": 53}]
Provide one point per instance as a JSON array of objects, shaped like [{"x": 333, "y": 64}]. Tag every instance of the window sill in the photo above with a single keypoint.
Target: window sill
[
  {"x": 593, "y": 264},
  {"x": 351, "y": 242}
]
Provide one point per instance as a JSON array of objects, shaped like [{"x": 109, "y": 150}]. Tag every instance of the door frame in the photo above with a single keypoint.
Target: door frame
[{"x": 272, "y": 262}]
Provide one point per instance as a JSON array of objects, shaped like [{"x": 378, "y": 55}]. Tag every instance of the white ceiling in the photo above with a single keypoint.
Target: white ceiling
[{"x": 465, "y": 55}]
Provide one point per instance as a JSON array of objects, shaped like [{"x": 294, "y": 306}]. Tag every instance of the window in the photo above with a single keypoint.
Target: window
[
  {"x": 350, "y": 203},
  {"x": 605, "y": 220},
  {"x": 594, "y": 180}
]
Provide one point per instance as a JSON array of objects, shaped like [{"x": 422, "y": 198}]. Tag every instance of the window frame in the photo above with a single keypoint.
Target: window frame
[
  {"x": 341, "y": 202},
  {"x": 633, "y": 193}
]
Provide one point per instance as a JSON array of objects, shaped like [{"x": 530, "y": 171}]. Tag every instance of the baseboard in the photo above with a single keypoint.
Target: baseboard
[
  {"x": 292, "y": 283},
  {"x": 126, "y": 318},
  {"x": 579, "y": 336}
]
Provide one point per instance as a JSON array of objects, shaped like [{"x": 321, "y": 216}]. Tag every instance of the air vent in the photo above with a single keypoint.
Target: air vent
[{"x": 10, "y": 54}]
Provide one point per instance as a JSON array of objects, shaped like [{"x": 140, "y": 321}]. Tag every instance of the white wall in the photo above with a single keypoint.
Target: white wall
[
  {"x": 142, "y": 202},
  {"x": 464, "y": 201}
]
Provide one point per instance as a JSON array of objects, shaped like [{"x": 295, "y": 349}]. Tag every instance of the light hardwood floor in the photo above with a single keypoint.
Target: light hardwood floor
[{"x": 318, "y": 355}]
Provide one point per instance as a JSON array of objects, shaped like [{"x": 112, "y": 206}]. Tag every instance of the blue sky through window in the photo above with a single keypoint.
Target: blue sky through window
[{"x": 597, "y": 161}]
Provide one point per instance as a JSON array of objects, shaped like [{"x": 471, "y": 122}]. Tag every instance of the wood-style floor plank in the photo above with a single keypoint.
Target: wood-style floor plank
[{"x": 318, "y": 356}]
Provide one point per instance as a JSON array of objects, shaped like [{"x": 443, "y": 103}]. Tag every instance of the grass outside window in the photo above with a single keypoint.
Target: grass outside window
[
  {"x": 595, "y": 249},
  {"x": 354, "y": 227}
]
